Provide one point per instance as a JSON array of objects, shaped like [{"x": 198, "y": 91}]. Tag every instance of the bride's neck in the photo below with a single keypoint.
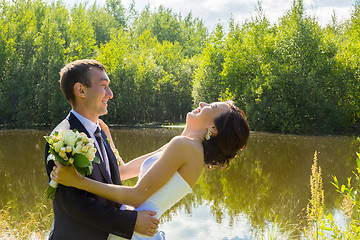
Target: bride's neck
[{"x": 194, "y": 133}]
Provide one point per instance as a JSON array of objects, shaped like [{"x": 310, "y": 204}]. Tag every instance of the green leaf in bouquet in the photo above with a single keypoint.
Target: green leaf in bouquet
[
  {"x": 96, "y": 160},
  {"x": 57, "y": 158},
  {"x": 47, "y": 138},
  {"x": 81, "y": 161},
  {"x": 82, "y": 171},
  {"x": 89, "y": 170}
]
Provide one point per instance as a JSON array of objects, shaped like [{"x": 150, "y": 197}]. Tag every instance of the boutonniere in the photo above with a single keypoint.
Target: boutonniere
[{"x": 116, "y": 153}]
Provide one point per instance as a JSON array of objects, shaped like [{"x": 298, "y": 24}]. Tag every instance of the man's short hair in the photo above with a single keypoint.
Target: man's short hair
[{"x": 77, "y": 71}]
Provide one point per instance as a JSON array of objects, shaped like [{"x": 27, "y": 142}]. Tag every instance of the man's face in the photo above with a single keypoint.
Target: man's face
[{"x": 98, "y": 94}]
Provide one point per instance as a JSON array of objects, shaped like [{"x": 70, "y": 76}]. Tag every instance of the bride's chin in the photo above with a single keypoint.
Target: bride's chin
[
  {"x": 190, "y": 115},
  {"x": 190, "y": 118}
]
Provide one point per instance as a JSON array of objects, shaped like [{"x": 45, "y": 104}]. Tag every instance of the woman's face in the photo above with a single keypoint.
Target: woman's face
[{"x": 206, "y": 113}]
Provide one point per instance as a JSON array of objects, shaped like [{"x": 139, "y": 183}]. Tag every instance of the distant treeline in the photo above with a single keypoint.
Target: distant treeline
[{"x": 293, "y": 76}]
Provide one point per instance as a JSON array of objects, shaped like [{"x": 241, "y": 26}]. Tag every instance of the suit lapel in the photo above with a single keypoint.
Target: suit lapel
[{"x": 76, "y": 124}]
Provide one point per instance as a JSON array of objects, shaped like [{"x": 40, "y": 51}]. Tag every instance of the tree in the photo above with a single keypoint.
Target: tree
[
  {"x": 49, "y": 58},
  {"x": 81, "y": 35},
  {"x": 348, "y": 67},
  {"x": 208, "y": 81},
  {"x": 296, "y": 97},
  {"x": 103, "y": 22},
  {"x": 116, "y": 9}
]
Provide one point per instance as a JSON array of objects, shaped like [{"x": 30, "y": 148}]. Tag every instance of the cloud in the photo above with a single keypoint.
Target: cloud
[
  {"x": 211, "y": 11},
  {"x": 202, "y": 224},
  {"x": 324, "y": 14}
]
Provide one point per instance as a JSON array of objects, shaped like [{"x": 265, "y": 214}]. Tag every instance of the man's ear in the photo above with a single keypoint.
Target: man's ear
[{"x": 79, "y": 90}]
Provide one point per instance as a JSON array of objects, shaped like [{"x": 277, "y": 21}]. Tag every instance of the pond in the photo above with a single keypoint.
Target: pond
[{"x": 269, "y": 180}]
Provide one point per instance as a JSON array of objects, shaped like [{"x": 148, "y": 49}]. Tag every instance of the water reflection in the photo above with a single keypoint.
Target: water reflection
[
  {"x": 22, "y": 173},
  {"x": 269, "y": 178}
]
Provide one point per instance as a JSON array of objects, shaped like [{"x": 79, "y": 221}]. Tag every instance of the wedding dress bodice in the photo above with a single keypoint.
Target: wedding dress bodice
[{"x": 172, "y": 192}]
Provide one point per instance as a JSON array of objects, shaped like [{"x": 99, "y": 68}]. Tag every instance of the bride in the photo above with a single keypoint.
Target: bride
[{"x": 213, "y": 135}]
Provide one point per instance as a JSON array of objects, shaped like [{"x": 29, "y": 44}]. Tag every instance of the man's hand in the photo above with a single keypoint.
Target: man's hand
[{"x": 146, "y": 223}]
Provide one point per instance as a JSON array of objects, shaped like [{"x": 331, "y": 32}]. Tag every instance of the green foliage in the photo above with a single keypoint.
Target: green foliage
[
  {"x": 293, "y": 76},
  {"x": 208, "y": 83},
  {"x": 149, "y": 76},
  {"x": 81, "y": 32}
]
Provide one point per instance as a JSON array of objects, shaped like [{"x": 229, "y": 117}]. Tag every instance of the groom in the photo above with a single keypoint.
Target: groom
[{"x": 79, "y": 214}]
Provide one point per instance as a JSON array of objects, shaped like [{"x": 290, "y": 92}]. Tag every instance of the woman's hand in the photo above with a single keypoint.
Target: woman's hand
[{"x": 66, "y": 175}]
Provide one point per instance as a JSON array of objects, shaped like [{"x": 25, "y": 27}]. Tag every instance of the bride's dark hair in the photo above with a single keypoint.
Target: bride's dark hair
[{"x": 233, "y": 133}]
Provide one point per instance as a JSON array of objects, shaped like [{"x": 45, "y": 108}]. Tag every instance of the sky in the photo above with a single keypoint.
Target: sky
[{"x": 213, "y": 11}]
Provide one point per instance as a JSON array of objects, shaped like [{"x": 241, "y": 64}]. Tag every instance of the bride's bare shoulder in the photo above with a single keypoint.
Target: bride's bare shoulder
[{"x": 186, "y": 146}]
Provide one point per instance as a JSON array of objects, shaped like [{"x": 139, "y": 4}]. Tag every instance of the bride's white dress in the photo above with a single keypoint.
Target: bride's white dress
[{"x": 172, "y": 192}]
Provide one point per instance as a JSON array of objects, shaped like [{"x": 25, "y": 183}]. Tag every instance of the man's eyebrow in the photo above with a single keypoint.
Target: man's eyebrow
[{"x": 104, "y": 79}]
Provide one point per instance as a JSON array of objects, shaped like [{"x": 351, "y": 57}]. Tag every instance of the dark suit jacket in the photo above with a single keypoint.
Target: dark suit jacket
[{"x": 81, "y": 215}]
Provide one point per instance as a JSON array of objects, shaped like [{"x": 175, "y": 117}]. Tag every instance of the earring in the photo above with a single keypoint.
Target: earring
[{"x": 208, "y": 134}]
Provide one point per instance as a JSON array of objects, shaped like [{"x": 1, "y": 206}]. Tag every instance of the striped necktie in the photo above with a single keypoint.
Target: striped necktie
[{"x": 97, "y": 135}]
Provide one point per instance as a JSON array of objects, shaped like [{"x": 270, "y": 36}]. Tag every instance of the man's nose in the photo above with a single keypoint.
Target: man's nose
[{"x": 110, "y": 93}]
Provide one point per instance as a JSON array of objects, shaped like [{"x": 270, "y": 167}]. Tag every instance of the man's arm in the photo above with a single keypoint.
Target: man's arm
[{"x": 83, "y": 207}]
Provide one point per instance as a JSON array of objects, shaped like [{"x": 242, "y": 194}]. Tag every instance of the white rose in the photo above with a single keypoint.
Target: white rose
[
  {"x": 60, "y": 136},
  {"x": 79, "y": 143},
  {"x": 58, "y": 145},
  {"x": 62, "y": 155},
  {"x": 77, "y": 149},
  {"x": 53, "y": 138},
  {"x": 71, "y": 160},
  {"x": 90, "y": 154},
  {"x": 68, "y": 149},
  {"x": 69, "y": 137},
  {"x": 82, "y": 137},
  {"x": 85, "y": 148}
]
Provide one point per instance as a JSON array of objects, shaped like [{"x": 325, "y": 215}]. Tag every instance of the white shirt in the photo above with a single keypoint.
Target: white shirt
[{"x": 90, "y": 126}]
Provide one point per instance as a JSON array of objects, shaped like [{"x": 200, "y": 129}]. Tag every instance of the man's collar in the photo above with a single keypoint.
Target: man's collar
[{"x": 88, "y": 124}]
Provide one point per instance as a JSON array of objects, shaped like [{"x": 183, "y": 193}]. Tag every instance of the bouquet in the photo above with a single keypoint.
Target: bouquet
[{"x": 70, "y": 147}]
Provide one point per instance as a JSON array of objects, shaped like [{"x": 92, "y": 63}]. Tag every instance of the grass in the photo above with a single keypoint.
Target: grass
[{"x": 34, "y": 225}]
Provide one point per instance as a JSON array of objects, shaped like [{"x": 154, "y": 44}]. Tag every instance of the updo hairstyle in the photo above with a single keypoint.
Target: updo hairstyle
[{"x": 233, "y": 133}]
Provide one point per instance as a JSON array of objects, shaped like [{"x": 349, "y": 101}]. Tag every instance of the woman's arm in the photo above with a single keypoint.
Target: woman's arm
[
  {"x": 172, "y": 158},
  {"x": 132, "y": 168}
]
